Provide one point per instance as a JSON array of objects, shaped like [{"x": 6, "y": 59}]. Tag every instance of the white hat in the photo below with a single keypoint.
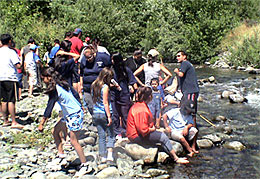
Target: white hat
[{"x": 153, "y": 53}]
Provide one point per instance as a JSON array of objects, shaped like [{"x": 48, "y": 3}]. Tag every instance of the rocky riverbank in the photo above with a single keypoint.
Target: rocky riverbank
[{"x": 27, "y": 153}]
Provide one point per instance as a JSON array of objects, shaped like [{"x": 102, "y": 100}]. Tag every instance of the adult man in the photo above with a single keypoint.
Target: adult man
[
  {"x": 135, "y": 62},
  {"x": 96, "y": 44},
  {"x": 188, "y": 80},
  {"x": 91, "y": 64},
  {"x": 55, "y": 49},
  {"x": 8, "y": 80},
  {"x": 181, "y": 126},
  {"x": 76, "y": 48}
]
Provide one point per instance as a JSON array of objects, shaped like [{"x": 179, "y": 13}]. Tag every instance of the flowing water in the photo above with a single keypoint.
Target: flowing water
[{"x": 243, "y": 119}]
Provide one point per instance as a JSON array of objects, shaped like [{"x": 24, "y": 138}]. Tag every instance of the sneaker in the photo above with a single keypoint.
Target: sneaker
[
  {"x": 83, "y": 169},
  {"x": 119, "y": 137}
]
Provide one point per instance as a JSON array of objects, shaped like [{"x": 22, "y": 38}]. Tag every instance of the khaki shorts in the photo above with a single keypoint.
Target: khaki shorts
[
  {"x": 177, "y": 135},
  {"x": 32, "y": 77}
]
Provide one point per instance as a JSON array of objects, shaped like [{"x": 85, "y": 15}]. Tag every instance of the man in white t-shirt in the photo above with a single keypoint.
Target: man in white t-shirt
[
  {"x": 181, "y": 126},
  {"x": 9, "y": 61}
]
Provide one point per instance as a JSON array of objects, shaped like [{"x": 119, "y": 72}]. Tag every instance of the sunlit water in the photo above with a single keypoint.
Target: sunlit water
[{"x": 244, "y": 119}]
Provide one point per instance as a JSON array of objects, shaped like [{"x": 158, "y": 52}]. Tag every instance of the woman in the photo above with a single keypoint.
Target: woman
[
  {"x": 152, "y": 69},
  {"x": 140, "y": 126},
  {"x": 120, "y": 95}
]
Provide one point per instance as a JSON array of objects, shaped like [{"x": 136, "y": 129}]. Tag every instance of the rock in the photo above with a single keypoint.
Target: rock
[
  {"x": 241, "y": 68},
  {"x": 226, "y": 94},
  {"x": 204, "y": 143},
  {"x": 221, "y": 118},
  {"x": 124, "y": 166},
  {"x": 9, "y": 175},
  {"x": 110, "y": 172},
  {"x": 155, "y": 172},
  {"x": 38, "y": 175},
  {"x": 89, "y": 141},
  {"x": 235, "y": 145},
  {"x": 237, "y": 98},
  {"x": 207, "y": 63},
  {"x": 58, "y": 175},
  {"x": 5, "y": 166},
  {"x": 165, "y": 176},
  {"x": 138, "y": 152},
  {"x": 211, "y": 79},
  {"x": 213, "y": 137},
  {"x": 162, "y": 157},
  {"x": 177, "y": 147},
  {"x": 138, "y": 162},
  {"x": 200, "y": 99}
]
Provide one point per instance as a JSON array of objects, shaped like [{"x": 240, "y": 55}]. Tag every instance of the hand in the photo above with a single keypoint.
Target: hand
[
  {"x": 109, "y": 121},
  {"x": 131, "y": 89},
  {"x": 40, "y": 127},
  {"x": 168, "y": 129},
  {"x": 152, "y": 129},
  {"x": 185, "y": 131},
  {"x": 176, "y": 70}
]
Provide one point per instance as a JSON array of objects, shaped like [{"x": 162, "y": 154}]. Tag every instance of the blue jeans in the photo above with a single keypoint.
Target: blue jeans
[
  {"x": 100, "y": 121},
  {"x": 155, "y": 105}
]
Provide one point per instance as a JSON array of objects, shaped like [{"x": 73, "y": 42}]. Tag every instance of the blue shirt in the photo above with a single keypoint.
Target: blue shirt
[
  {"x": 99, "y": 106},
  {"x": 177, "y": 121}
]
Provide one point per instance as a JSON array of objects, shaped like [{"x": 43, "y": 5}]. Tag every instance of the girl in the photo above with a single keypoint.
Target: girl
[
  {"x": 60, "y": 91},
  {"x": 120, "y": 96},
  {"x": 102, "y": 112}
]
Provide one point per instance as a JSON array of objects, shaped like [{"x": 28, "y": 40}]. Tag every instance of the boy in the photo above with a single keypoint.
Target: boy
[
  {"x": 31, "y": 67},
  {"x": 156, "y": 103},
  {"x": 181, "y": 125}
]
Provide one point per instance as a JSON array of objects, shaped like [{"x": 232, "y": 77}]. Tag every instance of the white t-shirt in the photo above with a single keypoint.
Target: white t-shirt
[
  {"x": 177, "y": 121},
  {"x": 30, "y": 61},
  {"x": 8, "y": 60},
  {"x": 151, "y": 72}
]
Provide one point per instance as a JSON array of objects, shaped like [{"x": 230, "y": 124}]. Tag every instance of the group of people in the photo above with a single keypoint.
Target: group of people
[{"x": 124, "y": 97}]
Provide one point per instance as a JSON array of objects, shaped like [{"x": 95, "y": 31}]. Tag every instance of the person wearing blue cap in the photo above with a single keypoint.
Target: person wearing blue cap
[{"x": 30, "y": 65}]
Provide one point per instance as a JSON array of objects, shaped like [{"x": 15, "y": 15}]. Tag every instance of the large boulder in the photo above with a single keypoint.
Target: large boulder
[
  {"x": 204, "y": 143},
  {"x": 137, "y": 152},
  {"x": 237, "y": 98},
  {"x": 110, "y": 172},
  {"x": 235, "y": 145},
  {"x": 213, "y": 137}
]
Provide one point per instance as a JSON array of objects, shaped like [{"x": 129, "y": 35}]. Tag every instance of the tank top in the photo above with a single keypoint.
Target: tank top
[{"x": 151, "y": 72}]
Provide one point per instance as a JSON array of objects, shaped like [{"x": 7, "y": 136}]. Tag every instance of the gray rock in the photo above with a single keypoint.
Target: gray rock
[
  {"x": 9, "y": 175},
  {"x": 221, "y": 118},
  {"x": 38, "y": 175},
  {"x": 211, "y": 79},
  {"x": 110, "y": 172},
  {"x": 165, "y": 176},
  {"x": 162, "y": 157},
  {"x": 5, "y": 166},
  {"x": 177, "y": 147},
  {"x": 235, "y": 145},
  {"x": 226, "y": 94},
  {"x": 155, "y": 172},
  {"x": 204, "y": 143},
  {"x": 237, "y": 98},
  {"x": 124, "y": 166},
  {"x": 89, "y": 141},
  {"x": 213, "y": 137},
  {"x": 138, "y": 162},
  {"x": 58, "y": 175},
  {"x": 138, "y": 152}
]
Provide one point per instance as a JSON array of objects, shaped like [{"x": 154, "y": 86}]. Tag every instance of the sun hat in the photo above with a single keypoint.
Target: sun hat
[{"x": 153, "y": 53}]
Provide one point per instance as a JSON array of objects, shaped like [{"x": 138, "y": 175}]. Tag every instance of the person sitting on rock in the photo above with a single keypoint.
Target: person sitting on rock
[
  {"x": 140, "y": 125},
  {"x": 60, "y": 91},
  {"x": 181, "y": 125}
]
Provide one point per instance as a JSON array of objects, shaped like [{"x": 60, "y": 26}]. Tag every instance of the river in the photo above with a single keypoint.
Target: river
[{"x": 244, "y": 119}]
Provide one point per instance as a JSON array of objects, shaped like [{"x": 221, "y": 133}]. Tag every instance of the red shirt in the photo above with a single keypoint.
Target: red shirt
[
  {"x": 139, "y": 120},
  {"x": 76, "y": 46}
]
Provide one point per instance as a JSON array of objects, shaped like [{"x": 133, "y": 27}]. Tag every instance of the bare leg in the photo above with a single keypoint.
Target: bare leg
[
  {"x": 187, "y": 146},
  {"x": 59, "y": 127},
  {"x": 193, "y": 146},
  {"x": 19, "y": 93},
  {"x": 4, "y": 112},
  {"x": 76, "y": 145},
  {"x": 177, "y": 159}
]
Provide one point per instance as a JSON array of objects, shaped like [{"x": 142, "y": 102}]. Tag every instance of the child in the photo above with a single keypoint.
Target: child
[
  {"x": 181, "y": 125},
  {"x": 60, "y": 91},
  {"x": 102, "y": 112},
  {"x": 30, "y": 64},
  {"x": 156, "y": 103}
]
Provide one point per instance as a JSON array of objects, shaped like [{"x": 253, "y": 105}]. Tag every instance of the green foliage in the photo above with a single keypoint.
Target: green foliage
[
  {"x": 197, "y": 26},
  {"x": 247, "y": 53}
]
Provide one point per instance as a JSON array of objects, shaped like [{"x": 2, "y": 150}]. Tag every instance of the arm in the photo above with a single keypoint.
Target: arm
[
  {"x": 167, "y": 72},
  {"x": 166, "y": 125},
  {"x": 106, "y": 104},
  {"x": 74, "y": 55},
  {"x": 186, "y": 129},
  {"x": 137, "y": 72},
  {"x": 180, "y": 74},
  {"x": 142, "y": 124}
]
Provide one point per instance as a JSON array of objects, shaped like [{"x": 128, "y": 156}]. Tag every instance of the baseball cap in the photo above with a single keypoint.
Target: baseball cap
[
  {"x": 33, "y": 47},
  {"x": 187, "y": 106},
  {"x": 153, "y": 53},
  {"x": 77, "y": 31}
]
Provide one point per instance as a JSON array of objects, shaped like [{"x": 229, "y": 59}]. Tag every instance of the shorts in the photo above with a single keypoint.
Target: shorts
[
  {"x": 74, "y": 121},
  {"x": 75, "y": 74},
  {"x": 8, "y": 91},
  {"x": 20, "y": 80},
  {"x": 193, "y": 97},
  {"x": 177, "y": 135},
  {"x": 32, "y": 77}
]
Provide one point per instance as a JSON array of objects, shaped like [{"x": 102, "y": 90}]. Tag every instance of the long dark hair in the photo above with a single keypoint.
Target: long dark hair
[
  {"x": 56, "y": 78},
  {"x": 143, "y": 94},
  {"x": 119, "y": 67},
  {"x": 104, "y": 77}
]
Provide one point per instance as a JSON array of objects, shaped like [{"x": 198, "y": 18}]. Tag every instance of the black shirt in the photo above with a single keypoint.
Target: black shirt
[{"x": 134, "y": 65}]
